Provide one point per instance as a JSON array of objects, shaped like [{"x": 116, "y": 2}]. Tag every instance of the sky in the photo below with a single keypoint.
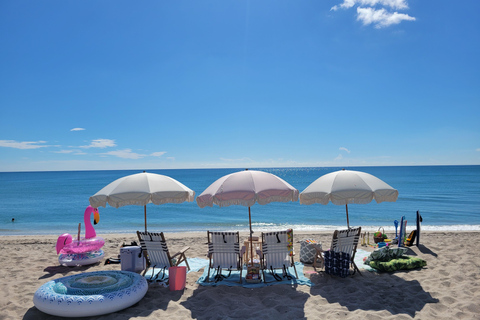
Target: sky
[{"x": 115, "y": 84}]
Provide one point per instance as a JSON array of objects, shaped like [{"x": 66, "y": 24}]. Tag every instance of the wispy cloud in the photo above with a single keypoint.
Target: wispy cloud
[
  {"x": 381, "y": 18},
  {"x": 64, "y": 151},
  {"x": 338, "y": 158},
  {"x": 478, "y": 149},
  {"x": 394, "y": 4},
  {"x": 344, "y": 149},
  {"x": 377, "y": 12},
  {"x": 158, "y": 154},
  {"x": 23, "y": 144},
  {"x": 77, "y": 129},
  {"x": 71, "y": 151},
  {"x": 125, "y": 154},
  {"x": 244, "y": 159},
  {"x": 100, "y": 143}
]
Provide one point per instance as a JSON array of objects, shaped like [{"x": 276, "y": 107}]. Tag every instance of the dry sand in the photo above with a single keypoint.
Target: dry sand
[{"x": 448, "y": 288}]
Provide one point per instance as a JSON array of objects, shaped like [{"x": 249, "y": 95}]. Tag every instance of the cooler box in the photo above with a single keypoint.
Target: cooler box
[{"x": 131, "y": 259}]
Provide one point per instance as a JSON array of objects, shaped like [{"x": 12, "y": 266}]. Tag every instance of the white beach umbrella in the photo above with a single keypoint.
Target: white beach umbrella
[
  {"x": 247, "y": 188},
  {"x": 347, "y": 186},
  {"x": 141, "y": 189}
]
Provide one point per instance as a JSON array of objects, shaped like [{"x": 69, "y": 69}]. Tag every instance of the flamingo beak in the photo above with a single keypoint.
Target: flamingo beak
[{"x": 96, "y": 216}]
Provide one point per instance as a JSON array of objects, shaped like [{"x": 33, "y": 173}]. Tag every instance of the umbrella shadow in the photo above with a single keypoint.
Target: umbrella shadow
[
  {"x": 281, "y": 301},
  {"x": 373, "y": 292}
]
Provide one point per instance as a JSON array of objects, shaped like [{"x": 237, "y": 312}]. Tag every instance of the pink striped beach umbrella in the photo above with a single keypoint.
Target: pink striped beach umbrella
[
  {"x": 247, "y": 188},
  {"x": 348, "y": 186}
]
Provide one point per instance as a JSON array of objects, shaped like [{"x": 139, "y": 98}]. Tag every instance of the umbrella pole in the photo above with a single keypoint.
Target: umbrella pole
[
  {"x": 348, "y": 224},
  {"x": 145, "y": 213},
  {"x": 251, "y": 235}
]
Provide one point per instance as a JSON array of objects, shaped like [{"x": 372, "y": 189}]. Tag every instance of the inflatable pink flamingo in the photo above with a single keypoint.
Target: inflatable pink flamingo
[{"x": 83, "y": 251}]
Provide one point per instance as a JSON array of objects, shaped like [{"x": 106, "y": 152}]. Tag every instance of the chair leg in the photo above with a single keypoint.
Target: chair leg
[
  {"x": 294, "y": 268},
  {"x": 208, "y": 274},
  {"x": 355, "y": 268},
  {"x": 184, "y": 258}
]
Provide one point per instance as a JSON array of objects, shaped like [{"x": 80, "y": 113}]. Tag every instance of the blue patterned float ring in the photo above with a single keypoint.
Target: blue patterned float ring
[{"x": 90, "y": 294}]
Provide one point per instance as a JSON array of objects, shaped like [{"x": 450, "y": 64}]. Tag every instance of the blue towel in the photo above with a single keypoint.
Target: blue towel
[{"x": 233, "y": 279}]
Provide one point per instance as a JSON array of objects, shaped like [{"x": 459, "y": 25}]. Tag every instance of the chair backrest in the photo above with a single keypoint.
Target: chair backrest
[
  {"x": 346, "y": 240},
  {"x": 155, "y": 247},
  {"x": 224, "y": 249},
  {"x": 277, "y": 248}
]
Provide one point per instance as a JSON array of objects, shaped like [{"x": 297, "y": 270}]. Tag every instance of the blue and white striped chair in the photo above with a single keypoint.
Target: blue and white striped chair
[
  {"x": 347, "y": 241},
  {"x": 277, "y": 253},
  {"x": 155, "y": 251},
  {"x": 224, "y": 253}
]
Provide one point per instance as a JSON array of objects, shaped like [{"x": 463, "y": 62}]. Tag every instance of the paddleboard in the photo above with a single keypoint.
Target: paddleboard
[{"x": 419, "y": 220}]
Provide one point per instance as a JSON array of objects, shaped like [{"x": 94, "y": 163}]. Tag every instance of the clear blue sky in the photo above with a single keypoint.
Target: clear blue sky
[{"x": 236, "y": 83}]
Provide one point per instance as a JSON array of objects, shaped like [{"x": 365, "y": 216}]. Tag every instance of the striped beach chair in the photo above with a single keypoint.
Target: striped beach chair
[
  {"x": 346, "y": 241},
  {"x": 155, "y": 251},
  {"x": 224, "y": 254},
  {"x": 277, "y": 253}
]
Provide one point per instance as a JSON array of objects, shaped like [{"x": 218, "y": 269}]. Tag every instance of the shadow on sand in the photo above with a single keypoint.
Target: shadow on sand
[
  {"x": 54, "y": 270},
  {"x": 283, "y": 302},
  {"x": 373, "y": 291}
]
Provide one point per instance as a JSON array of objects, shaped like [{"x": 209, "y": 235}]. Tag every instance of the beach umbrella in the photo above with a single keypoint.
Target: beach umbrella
[
  {"x": 247, "y": 188},
  {"x": 141, "y": 189},
  {"x": 347, "y": 186}
]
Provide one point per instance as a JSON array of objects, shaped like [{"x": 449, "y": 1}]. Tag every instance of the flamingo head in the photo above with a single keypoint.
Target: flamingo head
[{"x": 96, "y": 216}]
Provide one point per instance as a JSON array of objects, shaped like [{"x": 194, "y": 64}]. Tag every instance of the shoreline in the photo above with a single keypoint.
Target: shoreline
[
  {"x": 448, "y": 287},
  {"x": 325, "y": 229},
  {"x": 197, "y": 234}
]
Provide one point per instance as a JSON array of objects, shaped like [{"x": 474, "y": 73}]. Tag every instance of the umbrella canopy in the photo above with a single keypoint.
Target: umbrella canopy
[
  {"x": 141, "y": 189},
  {"x": 247, "y": 188},
  {"x": 347, "y": 186}
]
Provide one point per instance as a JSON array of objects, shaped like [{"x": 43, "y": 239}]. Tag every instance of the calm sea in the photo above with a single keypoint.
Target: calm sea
[{"x": 448, "y": 198}]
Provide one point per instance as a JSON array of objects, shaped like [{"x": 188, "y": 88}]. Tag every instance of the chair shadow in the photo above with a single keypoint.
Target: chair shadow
[
  {"x": 373, "y": 292},
  {"x": 245, "y": 303}
]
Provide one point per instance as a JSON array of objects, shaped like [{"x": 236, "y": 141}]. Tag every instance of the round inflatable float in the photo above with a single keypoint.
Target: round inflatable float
[
  {"x": 80, "y": 259},
  {"x": 90, "y": 294}
]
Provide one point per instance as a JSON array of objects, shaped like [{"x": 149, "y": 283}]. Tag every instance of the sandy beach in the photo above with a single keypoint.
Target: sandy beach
[{"x": 448, "y": 287}]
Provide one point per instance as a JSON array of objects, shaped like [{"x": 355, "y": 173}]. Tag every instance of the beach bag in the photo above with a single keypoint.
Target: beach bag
[
  {"x": 379, "y": 235},
  {"x": 337, "y": 263},
  {"x": 411, "y": 238},
  {"x": 308, "y": 251}
]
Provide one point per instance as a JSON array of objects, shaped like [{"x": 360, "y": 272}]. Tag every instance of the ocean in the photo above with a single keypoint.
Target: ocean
[{"x": 448, "y": 198}]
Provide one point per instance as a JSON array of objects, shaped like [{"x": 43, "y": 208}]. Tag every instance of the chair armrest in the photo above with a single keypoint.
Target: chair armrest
[
  {"x": 244, "y": 249},
  {"x": 259, "y": 253},
  {"x": 181, "y": 252}
]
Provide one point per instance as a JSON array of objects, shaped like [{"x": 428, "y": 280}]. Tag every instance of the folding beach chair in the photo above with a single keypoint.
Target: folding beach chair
[
  {"x": 155, "y": 251},
  {"x": 345, "y": 242},
  {"x": 224, "y": 253},
  {"x": 277, "y": 253}
]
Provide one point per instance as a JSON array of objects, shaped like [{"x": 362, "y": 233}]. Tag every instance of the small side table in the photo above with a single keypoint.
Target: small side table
[
  {"x": 256, "y": 243},
  {"x": 318, "y": 256}
]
